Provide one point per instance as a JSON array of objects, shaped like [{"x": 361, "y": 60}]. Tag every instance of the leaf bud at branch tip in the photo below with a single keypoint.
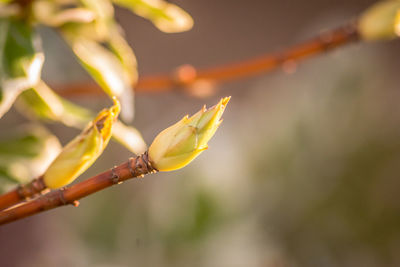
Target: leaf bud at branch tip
[
  {"x": 178, "y": 145},
  {"x": 79, "y": 154},
  {"x": 380, "y": 21}
]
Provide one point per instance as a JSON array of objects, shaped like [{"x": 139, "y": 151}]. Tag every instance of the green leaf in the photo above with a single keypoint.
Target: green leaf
[
  {"x": 99, "y": 15},
  {"x": 44, "y": 103},
  {"x": 6, "y": 174},
  {"x": 165, "y": 16},
  {"x": 120, "y": 47},
  {"x": 51, "y": 13},
  {"x": 104, "y": 15},
  {"x": 104, "y": 53},
  {"x": 25, "y": 153},
  {"x": 123, "y": 52},
  {"x": 102, "y": 8},
  {"x": 20, "y": 61},
  {"x": 129, "y": 137},
  {"x": 107, "y": 70},
  {"x": 21, "y": 146}
]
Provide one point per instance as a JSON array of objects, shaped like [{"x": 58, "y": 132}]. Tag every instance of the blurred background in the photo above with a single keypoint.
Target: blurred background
[{"x": 304, "y": 171}]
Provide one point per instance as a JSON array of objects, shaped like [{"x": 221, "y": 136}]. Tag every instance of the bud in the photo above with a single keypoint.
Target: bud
[
  {"x": 380, "y": 21},
  {"x": 178, "y": 145},
  {"x": 397, "y": 23},
  {"x": 79, "y": 154}
]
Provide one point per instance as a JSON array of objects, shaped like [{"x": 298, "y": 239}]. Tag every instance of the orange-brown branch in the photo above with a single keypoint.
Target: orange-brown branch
[
  {"x": 135, "y": 167},
  {"x": 22, "y": 192},
  {"x": 186, "y": 76}
]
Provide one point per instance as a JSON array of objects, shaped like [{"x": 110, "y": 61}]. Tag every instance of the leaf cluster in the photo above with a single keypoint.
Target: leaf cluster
[{"x": 91, "y": 31}]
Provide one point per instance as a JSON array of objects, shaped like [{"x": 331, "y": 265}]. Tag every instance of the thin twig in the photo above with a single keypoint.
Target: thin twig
[
  {"x": 182, "y": 78},
  {"x": 22, "y": 193},
  {"x": 135, "y": 167}
]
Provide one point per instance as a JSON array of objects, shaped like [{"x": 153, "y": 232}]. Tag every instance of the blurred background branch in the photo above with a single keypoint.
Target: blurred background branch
[{"x": 189, "y": 78}]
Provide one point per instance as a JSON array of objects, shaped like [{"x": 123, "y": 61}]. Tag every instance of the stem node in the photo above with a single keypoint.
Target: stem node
[{"x": 114, "y": 176}]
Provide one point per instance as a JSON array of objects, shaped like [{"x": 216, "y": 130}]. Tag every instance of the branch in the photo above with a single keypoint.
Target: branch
[
  {"x": 135, "y": 167},
  {"x": 22, "y": 193},
  {"x": 188, "y": 75},
  {"x": 172, "y": 149}
]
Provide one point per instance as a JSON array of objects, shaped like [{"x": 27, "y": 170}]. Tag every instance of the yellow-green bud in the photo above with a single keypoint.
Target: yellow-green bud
[
  {"x": 397, "y": 23},
  {"x": 79, "y": 154},
  {"x": 178, "y": 145},
  {"x": 380, "y": 21}
]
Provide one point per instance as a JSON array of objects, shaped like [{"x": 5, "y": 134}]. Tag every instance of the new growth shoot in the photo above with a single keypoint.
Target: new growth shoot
[
  {"x": 79, "y": 154},
  {"x": 178, "y": 145}
]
